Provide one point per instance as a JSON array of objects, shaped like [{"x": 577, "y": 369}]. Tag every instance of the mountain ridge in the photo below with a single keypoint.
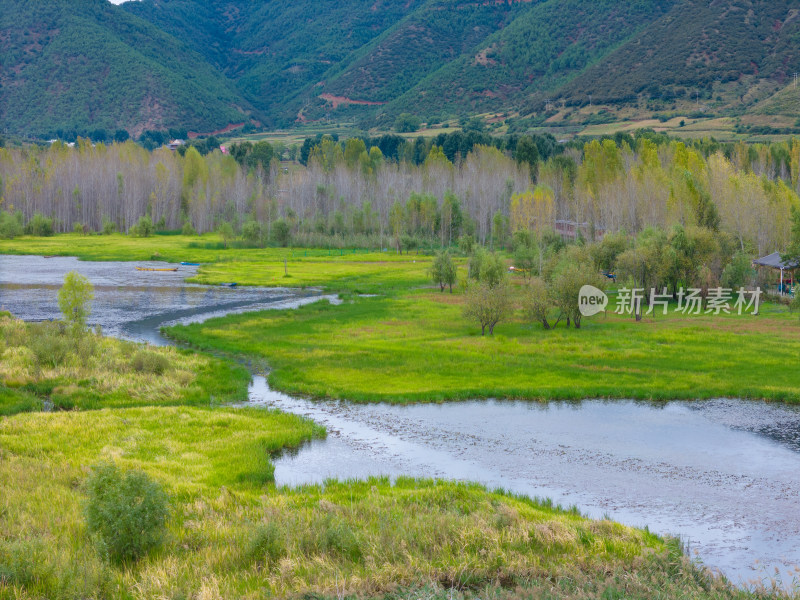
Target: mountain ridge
[{"x": 204, "y": 65}]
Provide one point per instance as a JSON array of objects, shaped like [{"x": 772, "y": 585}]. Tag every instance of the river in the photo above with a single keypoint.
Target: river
[{"x": 722, "y": 474}]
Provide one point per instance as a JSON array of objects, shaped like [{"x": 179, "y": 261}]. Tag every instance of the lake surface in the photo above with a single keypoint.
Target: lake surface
[
  {"x": 722, "y": 474},
  {"x": 129, "y": 303}
]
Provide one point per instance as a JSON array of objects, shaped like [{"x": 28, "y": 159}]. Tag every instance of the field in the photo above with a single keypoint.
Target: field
[
  {"x": 233, "y": 534},
  {"x": 357, "y": 270},
  {"x": 412, "y": 343},
  {"x": 46, "y": 364},
  {"x": 418, "y": 347}
]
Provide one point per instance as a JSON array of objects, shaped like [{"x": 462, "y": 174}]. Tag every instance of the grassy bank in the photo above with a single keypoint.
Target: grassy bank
[
  {"x": 232, "y": 536},
  {"x": 359, "y": 271},
  {"x": 418, "y": 347},
  {"x": 49, "y": 363}
]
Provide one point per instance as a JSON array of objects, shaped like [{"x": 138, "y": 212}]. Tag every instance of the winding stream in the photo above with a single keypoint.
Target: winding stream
[{"x": 722, "y": 474}]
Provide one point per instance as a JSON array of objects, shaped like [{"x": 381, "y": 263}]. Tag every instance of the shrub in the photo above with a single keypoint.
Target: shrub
[
  {"x": 267, "y": 545},
  {"x": 536, "y": 302},
  {"x": 75, "y": 298},
  {"x": 281, "y": 233},
  {"x": 10, "y": 225},
  {"x": 466, "y": 243},
  {"x": 126, "y": 512},
  {"x": 739, "y": 272},
  {"x": 406, "y": 123},
  {"x": 487, "y": 305},
  {"x": 50, "y": 345},
  {"x": 39, "y": 225},
  {"x": 490, "y": 268},
  {"x": 443, "y": 271},
  {"x": 187, "y": 228},
  {"x": 225, "y": 230},
  {"x": 794, "y": 303},
  {"x": 338, "y": 537},
  {"x": 149, "y": 362},
  {"x": 109, "y": 227},
  {"x": 251, "y": 232},
  {"x": 143, "y": 228}
]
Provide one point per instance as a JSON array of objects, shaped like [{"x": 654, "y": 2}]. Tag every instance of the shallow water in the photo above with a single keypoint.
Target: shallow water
[
  {"x": 128, "y": 303},
  {"x": 722, "y": 474}
]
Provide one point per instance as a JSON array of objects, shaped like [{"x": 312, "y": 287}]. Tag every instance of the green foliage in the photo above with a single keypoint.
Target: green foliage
[
  {"x": 281, "y": 233},
  {"x": 267, "y": 545},
  {"x": 145, "y": 361},
  {"x": 407, "y": 123},
  {"x": 536, "y": 302},
  {"x": 466, "y": 243},
  {"x": 753, "y": 49},
  {"x": 187, "y": 228},
  {"x": 475, "y": 264},
  {"x": 253, "y": 156},
  {"x": 443, "y": 271},
  {"x": 126, "y": 512},
  {"x": 10, "y": 225},
  {"x": 226, "y": 232},
  {"x": 739, "y": 272},
  {"x": 337, "y": 537},
  {"x": 143, "y": 227},
  {"x": 108, "y": 65},
  {"x": 432, "y": 59},
  {"x": 252, "y": 232},
  {"x": 75, "y": 299},
  {"x": 487, "y": 305},
  {"x": 109, "y": 227},
  {"x": 493, "y": 269},
  {"x": 39, "y": 225},
  {"x": 526, "y": 259},
  {"x": 53, "y": 346},
  {"x": 528, "y": 153},
  {"x": 605, "y": 253}
]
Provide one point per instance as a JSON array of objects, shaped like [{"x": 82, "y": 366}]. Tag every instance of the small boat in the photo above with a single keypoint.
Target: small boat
[
  {"x": 234, "y": 284},
  {"x": 152, "y": 269},
  {"x": 188, "y": 264}
]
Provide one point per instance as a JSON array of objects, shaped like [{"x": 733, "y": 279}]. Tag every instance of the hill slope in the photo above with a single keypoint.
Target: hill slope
[
  {"x": 203, "y": 64},
  {"x": 77, "y": 64},
  {"x": 701, "y": 50},
  {"x": 547, "y": 44}
]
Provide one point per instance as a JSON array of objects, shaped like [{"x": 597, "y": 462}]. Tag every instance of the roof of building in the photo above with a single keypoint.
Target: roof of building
[{"x": 774, "y": 261}]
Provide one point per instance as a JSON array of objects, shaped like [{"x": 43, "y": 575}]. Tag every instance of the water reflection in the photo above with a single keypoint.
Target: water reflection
[{"x": 129, "y": 303}]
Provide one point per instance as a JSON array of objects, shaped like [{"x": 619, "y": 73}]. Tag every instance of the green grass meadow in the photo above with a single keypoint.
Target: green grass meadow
[
  {"x": 43, "y": 363},
  {"x": 233, "y": 534},
  {"x": 418, "y": 347},
  {"x": 360, "y": 271}
]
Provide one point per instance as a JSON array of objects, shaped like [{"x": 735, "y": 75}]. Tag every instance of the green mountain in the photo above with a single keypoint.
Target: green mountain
[
  {"x": 87, "y": 64},
  {"x": 544, "y": 46},
  {"x": 715, "y": 52},
  {"x": 206, "y": 64}
]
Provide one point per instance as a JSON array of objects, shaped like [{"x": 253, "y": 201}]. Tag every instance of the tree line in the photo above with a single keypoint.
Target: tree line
[{"x": 349, "y": 193}]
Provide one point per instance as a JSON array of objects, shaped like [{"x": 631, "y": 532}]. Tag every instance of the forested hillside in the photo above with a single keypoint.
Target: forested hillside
[
  {"x": 86, "y": 64},
  {"x": 711, "y": 52},
  {"x": 273, "y": 51},
  {"x": 547, "y": 44},
  {"x": 205, "y": 64}
]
